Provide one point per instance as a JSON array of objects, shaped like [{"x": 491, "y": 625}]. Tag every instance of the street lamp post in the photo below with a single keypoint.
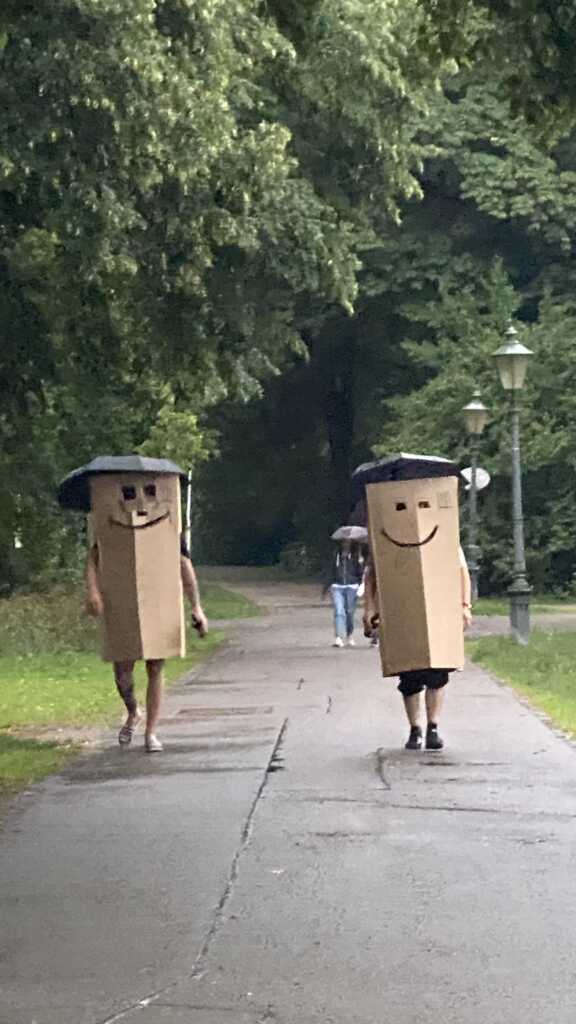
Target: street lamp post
[
  {"x": 475, "y": 418},
  {"x": 512, "y": 359},
  {"x": 188, "y": 521}
]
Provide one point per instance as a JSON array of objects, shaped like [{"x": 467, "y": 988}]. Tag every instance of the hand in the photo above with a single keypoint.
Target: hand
[
  {"x": 94, "y": 605},
  {"x": 467, "y": 616},
  {"x": 370, "y": 623},
  {"x": 199, "y": 621}
]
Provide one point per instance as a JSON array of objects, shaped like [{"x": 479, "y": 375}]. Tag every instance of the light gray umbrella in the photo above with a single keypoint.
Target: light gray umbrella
[{"x": 350, "y": 533}]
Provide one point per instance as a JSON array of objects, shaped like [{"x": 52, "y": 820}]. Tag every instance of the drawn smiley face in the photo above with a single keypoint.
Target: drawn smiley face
[
  {"x": 403, "y": 506},
  {"x": 139, "y": 505},
  {"x": 411, "y": 514},
  {"x": 133, "y": 501}
]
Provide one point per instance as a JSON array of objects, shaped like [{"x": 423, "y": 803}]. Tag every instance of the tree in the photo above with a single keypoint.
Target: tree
[
  {"x": 167, "y": 220},
  {"x": 465, "y": 323},
  {"x": 431, "y": 308},
  {"x": 531, "y": 40}
]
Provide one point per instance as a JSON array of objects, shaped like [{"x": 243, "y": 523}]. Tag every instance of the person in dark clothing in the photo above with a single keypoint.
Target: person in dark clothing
[
  {"x": 347, "y": 576},
  {"x": 430, "y": 680}
]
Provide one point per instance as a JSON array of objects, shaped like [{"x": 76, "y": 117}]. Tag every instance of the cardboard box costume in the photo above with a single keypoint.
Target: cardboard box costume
[
  {"x": 136, "y": 523},
  {"x": 413, "y": 522}
]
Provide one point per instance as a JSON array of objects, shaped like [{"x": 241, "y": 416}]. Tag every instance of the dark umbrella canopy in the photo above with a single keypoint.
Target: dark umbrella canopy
[
  {"x": 400, "y": 467},
  {"x": 74, "y": 491}
]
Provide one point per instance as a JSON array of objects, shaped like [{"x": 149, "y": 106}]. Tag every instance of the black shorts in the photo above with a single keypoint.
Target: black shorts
[{"x": 421, "y": 679}]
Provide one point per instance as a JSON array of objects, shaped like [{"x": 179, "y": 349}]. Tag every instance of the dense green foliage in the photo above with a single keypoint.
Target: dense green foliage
[
  {"x": 185, "y": 187},
  {"x": 532, "y": 41},
  {"x": 491, "y": 238},
  {"x": 265, "y": 239},
  {"x": 55, "y": 622}
]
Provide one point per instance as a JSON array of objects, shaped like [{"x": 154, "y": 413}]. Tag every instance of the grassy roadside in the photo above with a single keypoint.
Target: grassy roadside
[
  {"x": 51, "y": 675},
  {"x": 544, "y": 671},
  {"x": 539, "y": 604}
]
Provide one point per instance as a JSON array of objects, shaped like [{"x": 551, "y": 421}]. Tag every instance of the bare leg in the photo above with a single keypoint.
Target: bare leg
[
  {"x": 412, "y": 708},
  {"x": 124, "y": 676},
  {"x": 154, "y": 691},
  {"x": 434, "y": 702}
]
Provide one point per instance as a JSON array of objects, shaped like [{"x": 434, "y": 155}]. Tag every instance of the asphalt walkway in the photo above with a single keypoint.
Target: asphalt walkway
[{"x": 285, "y": 861}]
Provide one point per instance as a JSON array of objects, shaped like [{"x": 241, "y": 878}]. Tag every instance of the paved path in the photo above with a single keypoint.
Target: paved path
[
  {"x": 279, "y": 593},
  {"x": 286, "y": 862}
]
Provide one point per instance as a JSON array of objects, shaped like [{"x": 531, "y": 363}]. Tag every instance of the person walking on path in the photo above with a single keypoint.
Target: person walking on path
[
  {"x": 137, "y": 572},
  {"x": 347, "y": 577},
  {"x": 413, "y": 683},
  {"x": 418, "y": 586},
  {"x": 124, "y": 670}
]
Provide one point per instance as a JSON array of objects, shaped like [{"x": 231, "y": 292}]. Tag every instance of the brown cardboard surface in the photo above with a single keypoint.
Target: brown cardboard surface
[
  {"x": 414, "y": 536},
  {"x": 138, "y": 538}
]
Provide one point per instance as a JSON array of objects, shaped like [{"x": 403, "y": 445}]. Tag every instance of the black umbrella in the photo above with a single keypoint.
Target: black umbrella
[
  {"x": 400, "y": 467},
  {"x": 74, "y": 491}
]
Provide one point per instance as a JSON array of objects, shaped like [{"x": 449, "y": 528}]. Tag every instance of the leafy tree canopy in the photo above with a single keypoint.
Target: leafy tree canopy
[{"x": 531, "y": 41}]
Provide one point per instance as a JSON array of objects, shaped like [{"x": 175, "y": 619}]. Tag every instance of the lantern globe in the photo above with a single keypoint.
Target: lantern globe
[
  {"x": 512, "y": 359},
  {"x": 475, "y": 415}
]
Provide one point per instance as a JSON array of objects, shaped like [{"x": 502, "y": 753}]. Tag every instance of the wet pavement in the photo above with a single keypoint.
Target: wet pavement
[{"x": 285, "y": 861}]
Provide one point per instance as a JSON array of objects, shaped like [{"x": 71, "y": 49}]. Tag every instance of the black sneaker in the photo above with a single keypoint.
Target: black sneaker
[
  {"x": 433, "y": 740},
  {"x": 414, "y": 739}
]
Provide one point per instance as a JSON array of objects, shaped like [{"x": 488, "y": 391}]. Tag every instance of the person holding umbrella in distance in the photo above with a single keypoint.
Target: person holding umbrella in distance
[{"x": 347, "y": 574}]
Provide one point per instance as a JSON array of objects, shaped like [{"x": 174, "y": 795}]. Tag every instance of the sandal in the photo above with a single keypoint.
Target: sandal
[
  {"x": 152, "y": 744},
  {"x": 127, "y": 731}
]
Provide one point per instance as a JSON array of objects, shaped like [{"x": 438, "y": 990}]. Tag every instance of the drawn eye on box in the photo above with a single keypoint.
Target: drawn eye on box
[{"x": 445, "y": 499}]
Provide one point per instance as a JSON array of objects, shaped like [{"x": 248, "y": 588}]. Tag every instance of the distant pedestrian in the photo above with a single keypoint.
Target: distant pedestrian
[{"x": 347, "y": 577}]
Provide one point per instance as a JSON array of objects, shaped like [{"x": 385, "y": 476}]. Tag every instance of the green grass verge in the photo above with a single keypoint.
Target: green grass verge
[
  {"x": 540, "y": 604},
  {"x": 544, "y": 671},
  {"x": 220, "y": 603},
  {"x": 23, "y": 762},
  {"x": 51, "y": 674},
  {"x": 74, "y": 688}
]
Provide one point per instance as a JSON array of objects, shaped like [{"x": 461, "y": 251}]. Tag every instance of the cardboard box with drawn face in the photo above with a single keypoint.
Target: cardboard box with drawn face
[
  {"x": 414, "y": 536},
  {"x": 136, "y": 523}
]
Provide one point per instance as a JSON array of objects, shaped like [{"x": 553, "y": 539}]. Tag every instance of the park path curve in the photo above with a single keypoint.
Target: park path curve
[{"x": 285, "y": 861}]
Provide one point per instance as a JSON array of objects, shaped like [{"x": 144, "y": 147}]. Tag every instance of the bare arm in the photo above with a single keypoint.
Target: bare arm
[
  {"x": 466, "y": 590},
  {"x": 94, "y": 600},
  {"x": 190, "y": 584},
  {"x": 371, "y": 611}
]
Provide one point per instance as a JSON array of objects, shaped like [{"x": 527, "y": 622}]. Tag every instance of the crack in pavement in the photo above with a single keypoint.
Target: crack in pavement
[
  {"x": 381, "y": 761},
  {"x": 195, "y": 972},
  {"x": 196, "y": 1006},
  {"x": 509, "y": 812},
  {"x": 384, "y": 805}
]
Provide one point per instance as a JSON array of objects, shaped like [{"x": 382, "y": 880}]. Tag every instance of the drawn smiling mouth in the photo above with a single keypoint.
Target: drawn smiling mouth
[
  {"x": 410, "y": 544},
  {"x": 140, "y": 526}
]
